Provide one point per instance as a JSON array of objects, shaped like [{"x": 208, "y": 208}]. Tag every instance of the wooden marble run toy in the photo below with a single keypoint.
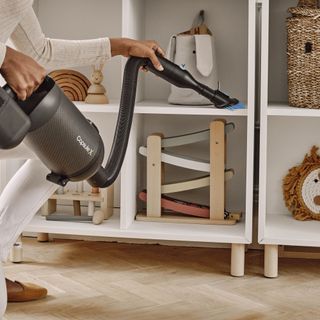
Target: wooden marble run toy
[
  {"x": 103, "y": 196},
  {"x": 216, "y": 176}
]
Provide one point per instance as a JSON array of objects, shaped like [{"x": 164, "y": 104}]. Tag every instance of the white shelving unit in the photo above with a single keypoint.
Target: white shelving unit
[
  {"x": 286, "y": 135},
  {"x": 233, "y": 22}
]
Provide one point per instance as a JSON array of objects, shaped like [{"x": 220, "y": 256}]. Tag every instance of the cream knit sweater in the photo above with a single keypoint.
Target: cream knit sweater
[{"x": 18, "y": 21}]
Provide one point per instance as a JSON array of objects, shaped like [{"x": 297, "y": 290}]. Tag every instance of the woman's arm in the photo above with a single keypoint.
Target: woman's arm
[
  {"x": 23, "y": 70},
  {"x": 22, "y": 73},
  {"x": 3, "y": 50},
  {"x": 56, "y": 53}
]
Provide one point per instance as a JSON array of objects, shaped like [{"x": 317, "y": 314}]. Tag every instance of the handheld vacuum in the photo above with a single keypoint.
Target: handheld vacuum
[{"x": 66, "y": 142}]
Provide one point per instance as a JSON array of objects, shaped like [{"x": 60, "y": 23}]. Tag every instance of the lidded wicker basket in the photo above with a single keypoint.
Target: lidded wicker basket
[{"x": 304, "y": 55}]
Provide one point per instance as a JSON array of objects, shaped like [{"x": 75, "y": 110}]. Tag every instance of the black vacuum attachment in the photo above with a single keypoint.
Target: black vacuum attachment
[{"x": 69, "y": 144}]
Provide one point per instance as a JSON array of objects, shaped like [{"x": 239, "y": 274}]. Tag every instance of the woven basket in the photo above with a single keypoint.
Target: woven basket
[{"x": 304, "y": 55}]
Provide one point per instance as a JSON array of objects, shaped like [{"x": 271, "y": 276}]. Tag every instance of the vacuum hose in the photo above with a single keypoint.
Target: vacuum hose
[
  {"x": 70, "y": 145},
  {"x": 171, "y": 73}
]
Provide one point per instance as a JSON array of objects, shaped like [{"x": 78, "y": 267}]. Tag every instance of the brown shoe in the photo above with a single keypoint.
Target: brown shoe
[{"x": 23, "y": 292}]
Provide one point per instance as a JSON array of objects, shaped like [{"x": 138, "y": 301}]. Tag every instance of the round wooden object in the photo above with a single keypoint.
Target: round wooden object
[
  {"x": 301, "y": 188},
  {"x": 74, "y": 84}
]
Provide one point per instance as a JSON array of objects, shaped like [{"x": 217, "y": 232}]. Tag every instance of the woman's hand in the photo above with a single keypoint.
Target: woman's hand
[
  {"x": 22, "y": 73},
  {"x": 144, "y": 49}
]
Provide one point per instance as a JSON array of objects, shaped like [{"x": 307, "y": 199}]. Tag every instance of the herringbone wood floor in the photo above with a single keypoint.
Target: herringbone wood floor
[{"x": 96, "y": 280}]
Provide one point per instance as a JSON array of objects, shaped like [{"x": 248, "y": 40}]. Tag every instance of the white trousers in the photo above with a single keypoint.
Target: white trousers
[{"x": 22, "y": 197}]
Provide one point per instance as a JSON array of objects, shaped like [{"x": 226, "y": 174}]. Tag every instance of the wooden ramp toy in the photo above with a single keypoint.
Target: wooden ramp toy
[{"x": 181, "y": 211}]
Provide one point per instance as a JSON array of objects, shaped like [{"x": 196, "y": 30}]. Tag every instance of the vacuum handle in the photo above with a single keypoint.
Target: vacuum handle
[
  {"x": 14, "y": 123},
  {"x": 10, "y": 92},
  {"x": 183, "y": 79}
]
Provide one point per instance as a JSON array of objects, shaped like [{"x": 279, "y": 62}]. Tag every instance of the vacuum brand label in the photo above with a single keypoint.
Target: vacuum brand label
[{"x": 85, "y": 146}]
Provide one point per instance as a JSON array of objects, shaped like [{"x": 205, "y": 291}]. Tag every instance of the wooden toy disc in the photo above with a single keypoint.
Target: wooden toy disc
[{"x": 74, "y": 84}]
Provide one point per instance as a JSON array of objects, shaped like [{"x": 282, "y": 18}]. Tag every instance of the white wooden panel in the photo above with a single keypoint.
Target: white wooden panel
[
  {"x": 251, "y": 116},
  {"x": 263, "y": 116},
  {"x": 129, "y": 173}
]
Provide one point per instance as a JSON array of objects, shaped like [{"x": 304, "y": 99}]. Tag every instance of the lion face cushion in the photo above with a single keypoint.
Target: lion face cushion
[{"x": 301, "y": 188}]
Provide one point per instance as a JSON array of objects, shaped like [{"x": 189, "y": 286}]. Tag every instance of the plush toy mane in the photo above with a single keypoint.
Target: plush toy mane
[{"x": 292, "y": 184}]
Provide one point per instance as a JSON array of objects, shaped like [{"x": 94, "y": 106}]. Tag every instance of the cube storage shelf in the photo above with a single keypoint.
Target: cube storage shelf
[
  {"x": 286, "y": 135},
  {"x": 152, "y": 19}
]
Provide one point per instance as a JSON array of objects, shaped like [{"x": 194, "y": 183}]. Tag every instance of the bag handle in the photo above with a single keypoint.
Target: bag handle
[
  {"x": 312, "y": 4},
  {"x": 199, "y": 20},
  {"x": 198, "y": 26}
]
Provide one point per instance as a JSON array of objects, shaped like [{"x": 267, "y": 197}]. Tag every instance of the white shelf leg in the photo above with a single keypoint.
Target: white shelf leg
[
  {"x": 16, "y": 254},
  {"x": 237, "y": 259},
  {"x": 271, "y": 261}
]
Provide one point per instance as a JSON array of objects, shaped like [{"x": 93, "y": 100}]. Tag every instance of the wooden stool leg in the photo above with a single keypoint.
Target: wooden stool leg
[
  {"x": 90, "y": 208},
  {"x": 271, "y": 261},
  {"x": 43, "y": 237},
  {"x": 154, "y": 176},
  {"x": 237, "y": 259},
  {"x": 76, "y": 208},
  {"x": 107, "y": 203},
  {"x": 217, "y": 167},
  {"x": 49, "y": 207}
]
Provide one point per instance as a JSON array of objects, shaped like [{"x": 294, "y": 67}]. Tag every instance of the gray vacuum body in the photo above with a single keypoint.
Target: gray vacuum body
[{"x": 62, "y": 138}]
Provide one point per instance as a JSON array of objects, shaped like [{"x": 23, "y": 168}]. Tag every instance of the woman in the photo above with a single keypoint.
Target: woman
[{"x": 24, "y": 71}]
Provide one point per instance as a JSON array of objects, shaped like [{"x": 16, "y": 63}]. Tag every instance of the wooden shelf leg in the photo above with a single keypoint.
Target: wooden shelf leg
[
  {"x": 237, "y": 259},
  {"x": 16, "y": 254},
  {"x": 271, "y": 261},
  {"x": 43, "y": 237}
]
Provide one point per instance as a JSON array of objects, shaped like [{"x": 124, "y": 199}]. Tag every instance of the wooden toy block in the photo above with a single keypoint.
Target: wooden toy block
[
  {"x": 103, "y": 196},
  {"x": 76, "y": 207}
]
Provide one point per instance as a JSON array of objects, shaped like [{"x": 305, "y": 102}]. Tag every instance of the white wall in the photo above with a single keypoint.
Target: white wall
[{"x": 74, "y": 19}]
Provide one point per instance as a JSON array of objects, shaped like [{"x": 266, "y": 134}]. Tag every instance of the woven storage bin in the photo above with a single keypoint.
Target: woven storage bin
[{"x": 304, "y": 55}]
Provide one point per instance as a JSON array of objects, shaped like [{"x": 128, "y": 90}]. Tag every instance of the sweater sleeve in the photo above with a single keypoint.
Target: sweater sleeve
[
  {"x": 55, "y": 53},
  {"x": 3, "y": 49}
]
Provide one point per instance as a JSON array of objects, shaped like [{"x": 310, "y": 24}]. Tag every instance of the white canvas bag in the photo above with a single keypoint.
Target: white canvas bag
[{"x": 195, "y": 53}]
